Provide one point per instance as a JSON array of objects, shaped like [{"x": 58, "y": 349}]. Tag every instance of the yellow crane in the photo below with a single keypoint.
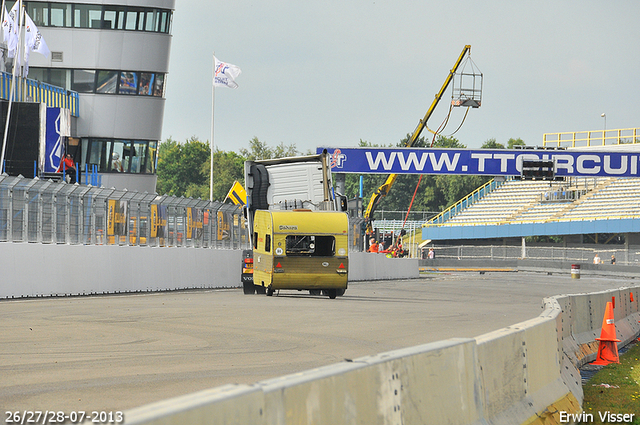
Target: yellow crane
[{"x": 463, "y": 100}]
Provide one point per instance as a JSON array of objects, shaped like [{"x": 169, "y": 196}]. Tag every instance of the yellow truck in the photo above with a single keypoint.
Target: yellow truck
[{"x": 300, "y": 250}]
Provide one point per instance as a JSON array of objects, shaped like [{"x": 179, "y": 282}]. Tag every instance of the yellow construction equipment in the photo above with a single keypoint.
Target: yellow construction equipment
[{"x": 466, "y": 96}]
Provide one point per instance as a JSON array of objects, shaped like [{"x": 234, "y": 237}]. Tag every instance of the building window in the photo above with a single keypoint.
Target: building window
[
  {"x": 102, "y": 81},
  {"x": 146, "y": 83},
  {"x": 111, "y": 17},
  {"x": 60, "y": 15},
  {"x": 151, "y": 160},
  {"x": 107, "y": 82},
  {"x": 39, "y": 12},
  {"x": 128, "y": 82},
  {"x": 83, "y": 80},
  {"x": 120, "y": 156},
  {"x": 158, "y": 87}
]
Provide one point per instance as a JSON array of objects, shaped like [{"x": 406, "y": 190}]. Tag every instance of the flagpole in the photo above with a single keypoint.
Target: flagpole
[
  {"x": 213, "y": 98},
  {"x": 13, "y": 82}
]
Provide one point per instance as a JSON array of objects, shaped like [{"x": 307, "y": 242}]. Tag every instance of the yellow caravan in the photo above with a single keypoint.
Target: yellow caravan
[{"x": 300, "y": 250}]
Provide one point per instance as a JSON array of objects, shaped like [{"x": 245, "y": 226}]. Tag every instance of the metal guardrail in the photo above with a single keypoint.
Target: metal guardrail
[
  {"x": 574, "y": 139},
  {"x": 27, "y": 90}
]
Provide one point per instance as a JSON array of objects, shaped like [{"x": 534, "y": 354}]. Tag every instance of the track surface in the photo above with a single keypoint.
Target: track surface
[{"x": 119, "y": 352}]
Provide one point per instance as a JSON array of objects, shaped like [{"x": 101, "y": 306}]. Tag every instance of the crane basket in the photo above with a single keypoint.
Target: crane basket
[{"x": 467, "y": 86}]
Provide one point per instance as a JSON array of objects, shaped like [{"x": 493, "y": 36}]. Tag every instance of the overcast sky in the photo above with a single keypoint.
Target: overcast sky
[{"x": 334, "y": 72}]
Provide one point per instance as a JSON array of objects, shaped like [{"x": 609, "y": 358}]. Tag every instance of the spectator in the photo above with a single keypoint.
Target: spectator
[
  {"x": 116, "y": 164},
  {"x": 613, "y": 258},
  {"x": 68, "y": 167},
  {"x": 432, "y": 254},
  {"x": 596, "y": 259},
  {"x": 373, "y": 245}
]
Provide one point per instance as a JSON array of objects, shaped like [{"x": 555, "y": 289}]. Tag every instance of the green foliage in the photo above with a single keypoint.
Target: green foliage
[
  {"x": 260, "y": 150},
  {"x": 492, "y": 144},
  {"x": 227, "y": 168},
  {"x": 513, "y": 142},
  {"x": 181, "y": 166}
]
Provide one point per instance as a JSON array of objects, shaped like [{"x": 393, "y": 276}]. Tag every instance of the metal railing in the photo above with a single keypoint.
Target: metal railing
[
  {"x": 42, "y": 211},
  {"x": 27, "y": 90},
  {"x": 543, "y": 253},
  {"x": 574, "y": 139},
  {"x": 465, "y": 202}
]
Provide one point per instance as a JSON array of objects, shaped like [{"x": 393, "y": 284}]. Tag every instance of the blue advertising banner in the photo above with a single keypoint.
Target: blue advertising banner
[
  {"x": 53, "y": 140},
  {"x": 489, "y": 162}
]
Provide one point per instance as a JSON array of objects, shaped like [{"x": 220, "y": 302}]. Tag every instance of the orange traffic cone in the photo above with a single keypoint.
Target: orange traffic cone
[{"x": 608, "y": 347}]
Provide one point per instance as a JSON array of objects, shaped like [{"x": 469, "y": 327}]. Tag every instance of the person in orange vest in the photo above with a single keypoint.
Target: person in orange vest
[
  {"x": 68, "y": 167},
  {"x": 373, "y": 245}
]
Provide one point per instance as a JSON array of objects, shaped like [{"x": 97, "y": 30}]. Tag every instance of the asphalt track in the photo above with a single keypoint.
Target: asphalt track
[{"x": 122, "y": 351}]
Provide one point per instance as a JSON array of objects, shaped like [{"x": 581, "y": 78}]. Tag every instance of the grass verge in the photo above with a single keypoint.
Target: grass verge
[{"x": 615, "y": 389}]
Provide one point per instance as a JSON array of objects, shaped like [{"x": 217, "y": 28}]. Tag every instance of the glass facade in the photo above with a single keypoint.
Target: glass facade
[
  {"x": 119, "y": 156},
  {"x": 102, "y": 81},
  {"x": 97, "y": 16}
]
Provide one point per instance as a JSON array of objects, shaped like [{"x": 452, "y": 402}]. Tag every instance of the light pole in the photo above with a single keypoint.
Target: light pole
[{"x": 604, "y": 132}]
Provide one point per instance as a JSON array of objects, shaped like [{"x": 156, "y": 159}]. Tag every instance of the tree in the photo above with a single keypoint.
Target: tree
[
  {"x": 259, "y": 150},
  {"x": 492, "y": 144},
  {"x": 227, "y": 168},
  {"x": 513, "y": 142},
  {"x": 181, "y": 166}
]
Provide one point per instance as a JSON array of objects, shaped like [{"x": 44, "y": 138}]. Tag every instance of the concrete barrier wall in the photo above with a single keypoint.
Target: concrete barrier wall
[
  {"x": 32, "y": 270},
  {"x": 525, "y": 373},
  {"x": 370, "y": 266}
]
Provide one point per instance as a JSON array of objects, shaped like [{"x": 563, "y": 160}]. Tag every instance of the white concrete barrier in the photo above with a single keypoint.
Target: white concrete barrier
[
  {"x": 33, "y": 270},
  {"x": 371, "y": 266}
]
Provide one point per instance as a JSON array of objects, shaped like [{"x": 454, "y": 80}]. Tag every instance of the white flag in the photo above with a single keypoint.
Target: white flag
[
  {"x": 10, "y": 29},
  {"x": 225, "y": 74},
  {"x": 32, "y": 37}
]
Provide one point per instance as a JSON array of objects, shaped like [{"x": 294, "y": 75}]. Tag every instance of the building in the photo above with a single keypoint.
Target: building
[{"x": 115, "y": 54}]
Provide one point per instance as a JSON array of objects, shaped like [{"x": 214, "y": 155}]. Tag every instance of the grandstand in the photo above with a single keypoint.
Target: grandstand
[
  {"x": 529, "y": 202},
  {"x": 514, "y": 208},
  {"x": 519, "y": 202}
]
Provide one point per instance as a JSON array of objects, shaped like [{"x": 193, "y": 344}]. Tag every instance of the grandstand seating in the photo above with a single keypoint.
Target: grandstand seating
[{"x": 518, "y": 201}]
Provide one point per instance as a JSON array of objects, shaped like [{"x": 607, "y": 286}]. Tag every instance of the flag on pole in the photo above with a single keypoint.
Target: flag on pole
[
  {"x": 10, "y": 29},
  {"x": 33, "y": 38},
  {"x": 225, "y": 74}
]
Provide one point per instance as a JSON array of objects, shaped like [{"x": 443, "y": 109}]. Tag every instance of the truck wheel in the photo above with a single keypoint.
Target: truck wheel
[
  {"x": 248, "y": 288},
  {"x": 269, "y": 291},
  {"x": 315, "y": 291},
  {"x": 332, "y": 293},
  {"x": 260, "y": 289}
]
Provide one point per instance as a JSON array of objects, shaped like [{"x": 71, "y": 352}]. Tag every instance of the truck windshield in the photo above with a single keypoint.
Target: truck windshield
[{"x": 322, "y": 246}]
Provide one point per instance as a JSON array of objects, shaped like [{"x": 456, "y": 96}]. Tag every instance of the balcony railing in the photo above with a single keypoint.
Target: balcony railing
[{"x": 27, "y": 90}]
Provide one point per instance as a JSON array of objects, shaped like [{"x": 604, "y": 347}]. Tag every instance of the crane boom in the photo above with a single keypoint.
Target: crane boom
[{"x": 384, "y": 189}]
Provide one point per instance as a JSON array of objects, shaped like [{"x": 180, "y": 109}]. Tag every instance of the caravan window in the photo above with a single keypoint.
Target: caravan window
[
  {"x": 267, "y": 243},
  {"x": 322, "y": 246}
]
